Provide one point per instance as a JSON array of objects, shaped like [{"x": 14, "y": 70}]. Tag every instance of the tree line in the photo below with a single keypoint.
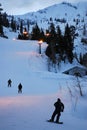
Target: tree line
[
  {"x": 6, "y": 21},
  {"x": 9, "y": 21},
  {"x": 61, "y": 43}
]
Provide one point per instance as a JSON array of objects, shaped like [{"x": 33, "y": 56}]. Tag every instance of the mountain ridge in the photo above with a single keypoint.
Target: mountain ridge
[
  {"x": 74, "y": 5},
  {"x": 64, "y": 10}
]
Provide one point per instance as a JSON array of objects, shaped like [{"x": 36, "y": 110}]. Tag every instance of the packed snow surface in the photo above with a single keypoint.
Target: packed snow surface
[{"x": 21, "y": 61}]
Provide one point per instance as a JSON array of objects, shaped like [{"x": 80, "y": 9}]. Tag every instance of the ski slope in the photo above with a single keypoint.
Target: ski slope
[{"x": 20, "y": 61}]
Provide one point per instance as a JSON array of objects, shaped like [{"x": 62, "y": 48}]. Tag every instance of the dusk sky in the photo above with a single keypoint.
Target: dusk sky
[{"x": 15, "y": 7}]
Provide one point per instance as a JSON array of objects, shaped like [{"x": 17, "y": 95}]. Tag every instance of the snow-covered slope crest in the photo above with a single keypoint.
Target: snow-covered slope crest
[{"x": 61, "y": 10}]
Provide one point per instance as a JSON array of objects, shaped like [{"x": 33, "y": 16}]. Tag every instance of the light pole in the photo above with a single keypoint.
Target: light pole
[{"x": 40, "y": 42}]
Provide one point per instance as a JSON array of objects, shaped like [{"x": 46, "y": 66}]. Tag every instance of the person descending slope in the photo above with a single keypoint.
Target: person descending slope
[
  {"x": 9, "y": 83},
  {"x": 20, "y": 88},
  {"x": 59, "y": 107}
]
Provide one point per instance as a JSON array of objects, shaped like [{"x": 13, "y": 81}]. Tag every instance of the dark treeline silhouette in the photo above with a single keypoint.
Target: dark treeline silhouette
[
  {"x": 6, "y": 21},
  {"x": 1, "y": 21},
  {"x": 61, "y": 44}
]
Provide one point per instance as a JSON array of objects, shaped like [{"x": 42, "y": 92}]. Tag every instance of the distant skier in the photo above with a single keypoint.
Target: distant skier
[
  {"x": 20, "y": 88},
  {"x": 9, "y": 83},
  {"x": 59, "y": 107}
]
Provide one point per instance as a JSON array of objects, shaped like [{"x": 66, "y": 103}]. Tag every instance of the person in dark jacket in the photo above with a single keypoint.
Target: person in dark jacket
[
  {"x": 9, "y": 83},
  {"x": 59, "y": 107},
  {"x": 20, "y": 88}
]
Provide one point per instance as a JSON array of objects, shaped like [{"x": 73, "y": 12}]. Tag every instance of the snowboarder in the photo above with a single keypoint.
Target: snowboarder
[
  {"x": 9, "y": 82},
  {"x": 20, "y": 88},
  {"x": 59, "y": 107}
]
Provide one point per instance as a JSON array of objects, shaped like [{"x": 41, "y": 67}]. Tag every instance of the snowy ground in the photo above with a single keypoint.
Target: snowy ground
[{"x": 20, "y": 61}]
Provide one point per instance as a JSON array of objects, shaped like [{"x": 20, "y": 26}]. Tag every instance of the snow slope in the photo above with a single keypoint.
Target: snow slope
[
  {"x": 64, "y": 10},
  {"x": 20, "y": 61}
]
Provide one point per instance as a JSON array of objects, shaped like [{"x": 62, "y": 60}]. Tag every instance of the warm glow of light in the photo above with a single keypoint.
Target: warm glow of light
[
  {"x": 47, "y": 34},
  {"x": 40, "y": 41},
  {"x": 25, "y": 33}
]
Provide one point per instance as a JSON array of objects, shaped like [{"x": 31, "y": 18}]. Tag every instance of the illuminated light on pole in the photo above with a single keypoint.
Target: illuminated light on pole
[
  {"x": 47, "y": 34},
  {"x": 40, "y": 42}
]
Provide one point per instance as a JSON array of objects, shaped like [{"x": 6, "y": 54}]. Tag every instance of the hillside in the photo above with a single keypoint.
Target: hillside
[
  {"x": 65, "y": 11},
  {"x": 73, "y": 14}
]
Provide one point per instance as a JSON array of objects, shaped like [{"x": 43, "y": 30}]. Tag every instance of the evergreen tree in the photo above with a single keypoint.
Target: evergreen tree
[
  {"x": 28, "y": 25},
  {"x": 1, "y": 21},
  {"x": 21, "y": 27},
  {"x": 84, "y": 30},
  {"x": 42, "y": 36},
  {"x": 59, "y": 41},
  {"x": 59, "y": 33},
  {"x": 51, "y": 39},
  {"x": 53, "y": 36},
  {"x": 5, "y": 20},
  {"x": 52, "y": 29},
  {"x": 0, "y": 7},
  {"x": 68, "y": 43},
  {"x": 36, "y": 32},
  {"x": 73, "y": 34},
  {"x": 81, "y": 59},
  {"x": 47, "y": 37},
  {"x": 48, "y": 51},
  {"x": 13, "y": 24}
]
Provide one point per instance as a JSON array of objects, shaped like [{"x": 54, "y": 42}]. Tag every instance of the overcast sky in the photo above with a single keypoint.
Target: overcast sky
[{"x": 23, "y": 6}]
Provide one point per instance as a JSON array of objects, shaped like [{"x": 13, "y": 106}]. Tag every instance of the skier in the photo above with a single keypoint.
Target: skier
[
  {"x": 59, "y": 107},
  {"x": 20, "y": 88},
  {"x": 9, "y": 82}
]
